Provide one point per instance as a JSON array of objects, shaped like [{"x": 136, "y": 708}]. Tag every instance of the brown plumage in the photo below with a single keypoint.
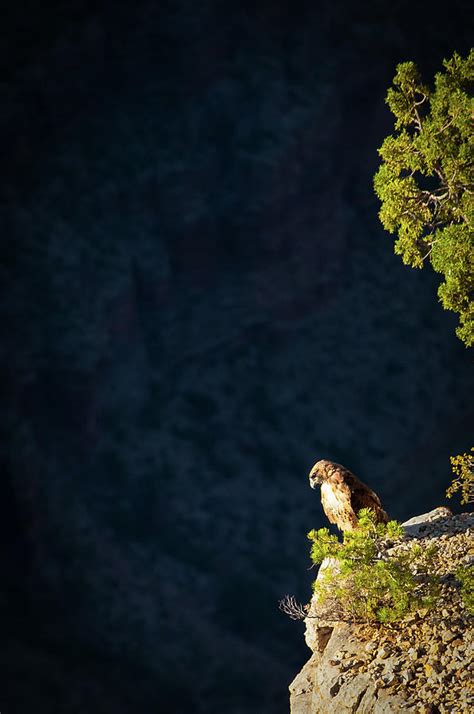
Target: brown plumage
[{"x": 343, "y": 495}]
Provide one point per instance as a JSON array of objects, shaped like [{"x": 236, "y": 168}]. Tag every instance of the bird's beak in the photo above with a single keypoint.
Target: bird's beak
[{"x": 314, "y": 481}]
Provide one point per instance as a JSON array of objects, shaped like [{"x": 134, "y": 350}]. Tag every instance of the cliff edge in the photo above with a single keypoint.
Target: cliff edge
[{"x": 422, "y": 664}]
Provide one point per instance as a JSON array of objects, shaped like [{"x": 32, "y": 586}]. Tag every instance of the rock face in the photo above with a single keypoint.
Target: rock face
[{"x": 423, "y": 664}]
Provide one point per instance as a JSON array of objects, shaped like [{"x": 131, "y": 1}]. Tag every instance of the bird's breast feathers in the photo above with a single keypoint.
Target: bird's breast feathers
[{"x": 333, "y": 499}]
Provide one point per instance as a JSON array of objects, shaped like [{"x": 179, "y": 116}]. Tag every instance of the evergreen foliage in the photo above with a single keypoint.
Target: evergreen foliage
[
  {"x": 463, "y": 470},
  {"x": 365, "y": 584},
  {"x": 465, "y": 576},
  {"x": 425, "y": 181}
]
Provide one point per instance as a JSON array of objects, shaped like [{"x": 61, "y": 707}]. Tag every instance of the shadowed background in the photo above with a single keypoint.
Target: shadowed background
[{"x": 199, "y": 302}]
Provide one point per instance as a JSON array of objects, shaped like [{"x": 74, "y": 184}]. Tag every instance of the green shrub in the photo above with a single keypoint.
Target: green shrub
[
  {"x": 463, "y": 470},
  {"x": 366, "y": 584},
  {"x": 465, "y": 576}
]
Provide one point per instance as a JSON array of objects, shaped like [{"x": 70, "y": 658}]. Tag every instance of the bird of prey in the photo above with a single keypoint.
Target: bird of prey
[{"x": 343, "y": 495}]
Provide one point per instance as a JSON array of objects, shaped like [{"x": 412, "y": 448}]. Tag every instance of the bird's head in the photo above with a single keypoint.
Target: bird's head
[{"x": 319, "y": 473}]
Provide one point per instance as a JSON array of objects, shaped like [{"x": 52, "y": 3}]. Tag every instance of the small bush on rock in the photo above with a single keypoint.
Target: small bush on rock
[
  {"x": 465, "y": 576},
  {"x": 463, "y": 470},
  {"x": 367, "y": 583}
]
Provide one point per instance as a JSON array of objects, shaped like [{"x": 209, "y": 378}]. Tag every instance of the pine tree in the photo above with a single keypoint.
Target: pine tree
[{"x": 426, "y": 183}]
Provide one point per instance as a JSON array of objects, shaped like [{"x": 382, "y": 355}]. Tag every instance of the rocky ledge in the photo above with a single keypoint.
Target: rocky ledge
[{"x": 422, "y": 664}]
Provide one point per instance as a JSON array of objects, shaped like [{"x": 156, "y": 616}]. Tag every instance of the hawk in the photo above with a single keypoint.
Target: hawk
[{"x": 343, "y": 495}]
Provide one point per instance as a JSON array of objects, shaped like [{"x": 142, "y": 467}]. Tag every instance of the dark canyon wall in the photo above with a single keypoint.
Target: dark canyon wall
[{"x": 199, "y": 302}]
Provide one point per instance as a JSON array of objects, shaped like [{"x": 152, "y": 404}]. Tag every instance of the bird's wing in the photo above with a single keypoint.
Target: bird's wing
[{"x": 363, "y": 497}]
